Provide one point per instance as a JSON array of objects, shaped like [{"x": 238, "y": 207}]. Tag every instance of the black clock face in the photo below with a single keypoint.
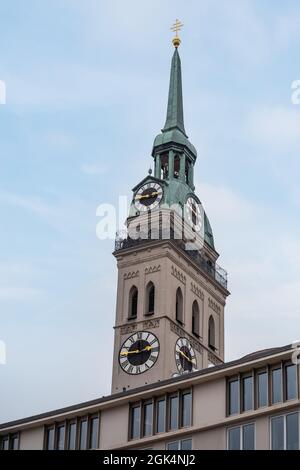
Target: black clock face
[
  {"x": 185, "y": 356},
  {"x": 139, "y": 353},
  {"x": 194, "y": 213},
  {"x": 148, "y": 197}
]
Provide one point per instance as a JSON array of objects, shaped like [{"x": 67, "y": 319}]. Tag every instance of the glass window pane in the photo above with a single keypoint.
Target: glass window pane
[
  {"x": 292, "y": 432},
  {"x": 83, "y": 435},
  {"x": 161, "y": 413},
  {"x": 247, "y": 393},
  {"x": 186, "y": 444},
  {"x": 262, "y": 381},
  {"x": 135, "y": 422},
  {"x": 148, "y": 419},
  {"x": 233, "y": 397},
  {"x": 291, "y": 382},
  {"x": 94, "y": 433},
  {"x": 276, "y": 386},
  {"x": 248, "y": 437},
  {"x": 277, "y": 428},
  {"x": 186, "y": 409},
  {"x": 50, "y": 439},
  {"x": 173, "y": 446},
  {"x": 4, "y": 445},
  {"x": 15, "y": 443},
  {"x": 72, "y": 437},
  {"x": 234, "y": 439},
  {"x": 174, "y": 412},
  {"x": 60, "y": 438}
]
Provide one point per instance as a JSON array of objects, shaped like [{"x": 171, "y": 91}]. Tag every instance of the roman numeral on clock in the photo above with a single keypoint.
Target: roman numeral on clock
[{"x": 125, "y": 364}]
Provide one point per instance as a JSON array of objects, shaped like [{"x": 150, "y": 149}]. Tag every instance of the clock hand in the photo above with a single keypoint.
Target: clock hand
[
  {"x": 127, "y": 353},
  {"x": 186, "y": 357},
  {"x": 146, "y": 196},
  {"x": 137, "y": 351}
]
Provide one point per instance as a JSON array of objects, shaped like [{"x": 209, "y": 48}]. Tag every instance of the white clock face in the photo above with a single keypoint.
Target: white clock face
[
  {"x": 139, "y": 353},
  {"x": 148, "y": 197},
  {"x": 185, "y": 356},
  {"x": 194, "y": 213}
]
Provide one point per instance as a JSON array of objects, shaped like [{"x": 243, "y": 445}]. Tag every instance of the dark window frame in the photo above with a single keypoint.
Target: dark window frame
[
  {"x": 158, "y": 400},
  {"x": 181, "y": 410},
  {"x": 235, "y": 378},
  {"x": 176, "y": 172},
  {"x": 196, "y": 327},
  {"x": 70, "y": 423},
  {"x": 212, "y": 333},
  {"x": 179, "y": 442},
  {"x": 9, "y": 438},
  {"x": 144, "y": 404},
  {"x": 179, "y": 306},
  {"x": 47, "y": 428},
  {"x": 150, "y": 291},
  {"x": 167, "y": 414},
  {"x": 245, "y": 376},
  {"x": 90, "y": 419},
  {"x": 81, "y": 420},
  {"x": 272, "y": 369},
  {"x": 133, "y": 307},
  {"x": 67, "y": 424},
  {"x": 258, "y": 372},
  {"x": 170, "y": 398},
  {"x": 268, "y": 371},
  {"x": 241, "y": 434},
  {"x": 285, "y": 366},
  {"x": 139, "y": 405},
  {"x": 61, "y": 424},
  {"x": 285, "y": 434},
  {"x": 4, "y": 439}
]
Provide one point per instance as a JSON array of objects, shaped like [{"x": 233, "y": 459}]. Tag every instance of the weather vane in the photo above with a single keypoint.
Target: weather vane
[{"x": 176, "y": 27}]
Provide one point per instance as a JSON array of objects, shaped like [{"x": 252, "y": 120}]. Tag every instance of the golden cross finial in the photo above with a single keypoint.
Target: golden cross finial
[{"x": 176, "y": 27}]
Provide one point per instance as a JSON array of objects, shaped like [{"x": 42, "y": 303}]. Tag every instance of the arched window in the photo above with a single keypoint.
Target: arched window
[
  {"x": 179, "y": 306},
  {"x": 164, "y": 166},
  {"x": 133, "y": 302},
  {"x": 150, "y": 299},
  {"x": 196, "y": 319},
  {"x": 211, "y": 333},
  {"x": 176, "y": 167}
]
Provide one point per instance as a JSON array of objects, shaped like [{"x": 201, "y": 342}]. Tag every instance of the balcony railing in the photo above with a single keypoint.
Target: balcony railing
[{"x": 212, "y": 269}]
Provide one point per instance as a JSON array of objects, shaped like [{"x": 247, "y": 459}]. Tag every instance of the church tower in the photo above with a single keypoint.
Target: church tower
[{"x": 171, "y": 293}]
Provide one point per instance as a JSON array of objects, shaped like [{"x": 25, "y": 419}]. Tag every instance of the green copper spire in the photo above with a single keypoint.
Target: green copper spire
[{"x": 175, "y": 103}]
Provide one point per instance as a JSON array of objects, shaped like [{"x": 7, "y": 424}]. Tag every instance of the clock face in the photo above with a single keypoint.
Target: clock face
[
  {"x": 185, "y": 356},
  {"x": 194, "y": 213},
  {"x": 139, "y": 353},
  {"x": 148, "y": 196}
]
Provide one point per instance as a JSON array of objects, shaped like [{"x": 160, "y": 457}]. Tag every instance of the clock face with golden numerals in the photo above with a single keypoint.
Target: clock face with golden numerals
[
  {"x": 185, "y": 356},
  {"x": 139, "y": 353}
]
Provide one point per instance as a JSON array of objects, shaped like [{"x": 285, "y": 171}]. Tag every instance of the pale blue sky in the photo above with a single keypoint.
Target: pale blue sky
[{"x": 87, "y": 84}]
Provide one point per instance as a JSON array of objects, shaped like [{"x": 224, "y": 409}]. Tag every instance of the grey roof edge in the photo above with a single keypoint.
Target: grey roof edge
[{"x": 98, "y": 401}]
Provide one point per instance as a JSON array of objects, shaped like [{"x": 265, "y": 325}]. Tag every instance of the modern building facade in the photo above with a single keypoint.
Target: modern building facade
[{"x": 170, "y": 386}]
